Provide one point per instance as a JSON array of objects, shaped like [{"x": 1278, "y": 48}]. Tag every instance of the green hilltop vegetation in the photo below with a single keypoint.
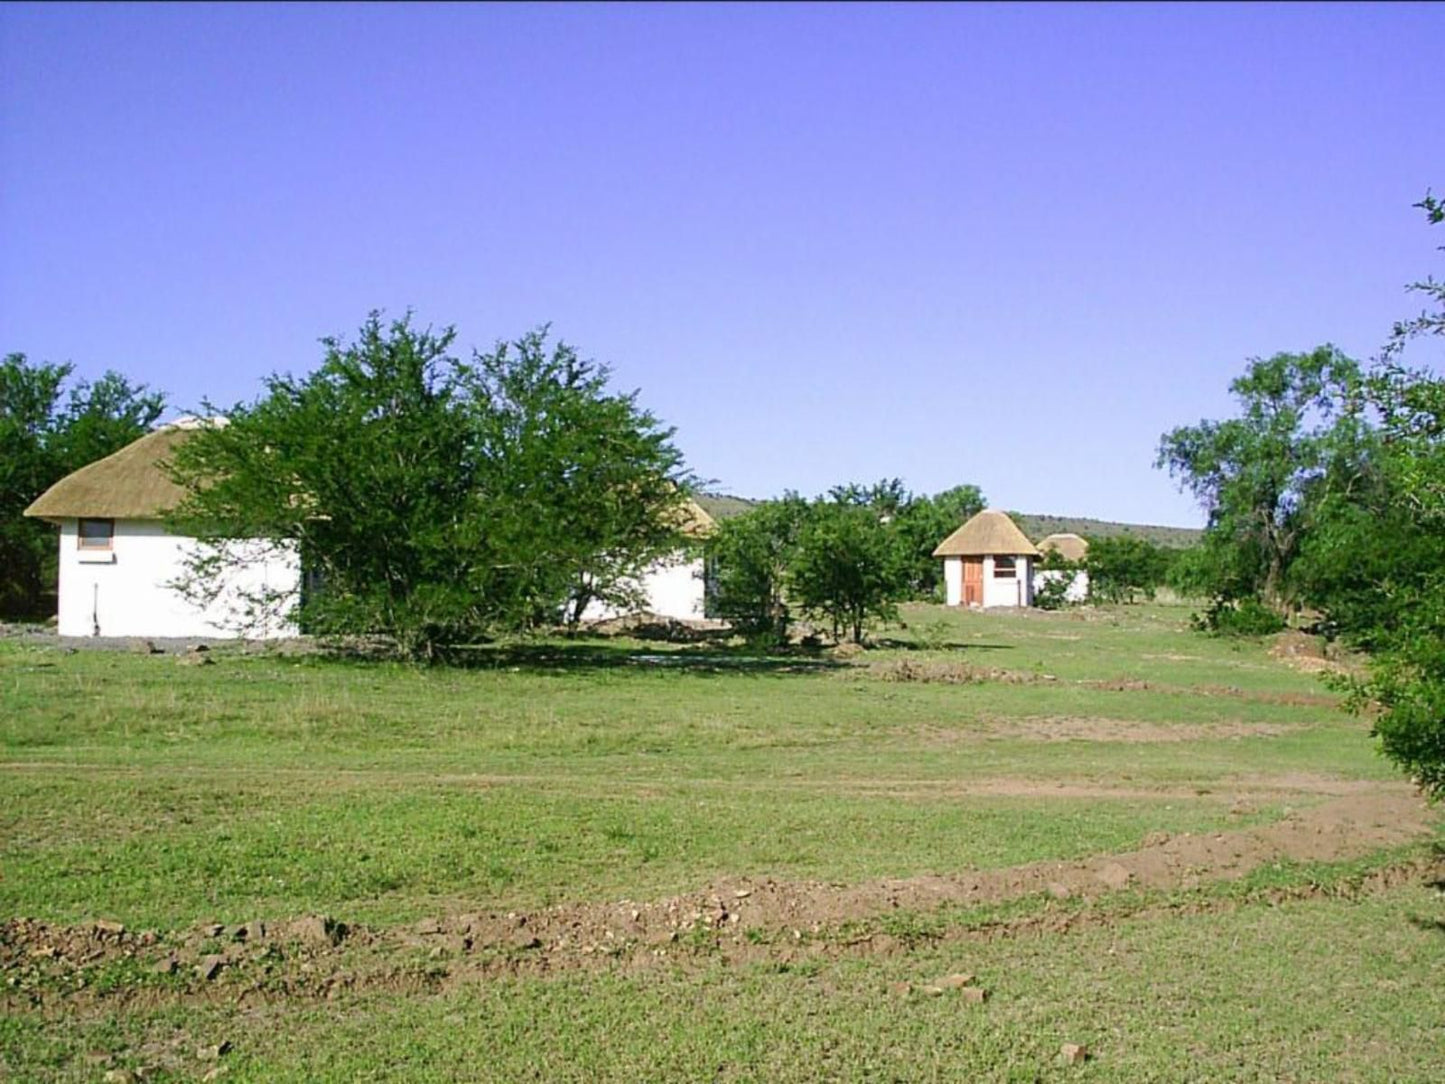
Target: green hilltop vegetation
[
  {"x": 723, "y": 506},
  {"x": 1040, "y": 526}
]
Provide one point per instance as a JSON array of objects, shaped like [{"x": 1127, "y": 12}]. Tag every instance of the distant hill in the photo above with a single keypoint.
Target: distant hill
[
  {"x": 1037, "y": 527},
  {"x": 722, "y": 506}
]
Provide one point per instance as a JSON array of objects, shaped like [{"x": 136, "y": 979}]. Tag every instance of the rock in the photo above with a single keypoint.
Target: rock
[
  {"x": 105, "y": 927},
  {"x": 526, "y": 941},
  {"x": 1114, "y": 876},
  {"x": 742, "y": 893},
  {"x": 251, "y": 931},
  {"x": 428, "y": 926},
  {"x": 317, "y": 930},
  {"x": 191, "y": 658},
  {"x": 215, "y": 1051},
  {"x": 1060, "y": 891},
  {"x": 954, "y": 982},
  {"x": 974, "y": 995},
  {"x": 1073, "y": 1054},
  {"x": 210, "y": 967},
  {"x": 144, "y": 647},
  {"x": 167, "y": 966},
  {"x": 215, "y": 929}
]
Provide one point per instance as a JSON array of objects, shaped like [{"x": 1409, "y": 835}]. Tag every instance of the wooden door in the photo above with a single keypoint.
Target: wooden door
[{"x": 973, "y": 581}]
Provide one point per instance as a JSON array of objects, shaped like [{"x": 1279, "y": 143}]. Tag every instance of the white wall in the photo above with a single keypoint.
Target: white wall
[
  {"x": 673, "y": 589},
  {"x": 953, "y": 580},
  {"x": 124, "y": 590},
  {"x": 1078, "y": 589},
  {"x": 1017, "y": 590}
]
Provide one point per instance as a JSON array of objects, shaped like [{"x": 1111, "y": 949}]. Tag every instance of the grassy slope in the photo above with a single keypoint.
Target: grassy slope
[{"x": 138, "y": 789}]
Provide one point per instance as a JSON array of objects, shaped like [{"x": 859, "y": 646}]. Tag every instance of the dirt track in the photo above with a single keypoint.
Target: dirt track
[{"x": 735, "y": 919}]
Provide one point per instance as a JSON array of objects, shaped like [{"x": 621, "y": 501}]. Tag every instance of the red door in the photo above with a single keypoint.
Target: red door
[{"x": 973, "y": 581}]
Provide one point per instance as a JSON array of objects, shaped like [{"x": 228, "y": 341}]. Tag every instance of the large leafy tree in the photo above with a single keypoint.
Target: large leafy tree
[
  {"x": 1298, "y": 433},
  {"x": 917, "y": 523},
  {"x": 751, "y": 555},
  {"x": 1407, "y": 629},
  {"x": 1123, "y": 568},
  {"x": 46, "y": 431},
  {"x": 435, "y": 500},
  {"x": 847, "y": 568},
  {"x": 921, "y": 524}
]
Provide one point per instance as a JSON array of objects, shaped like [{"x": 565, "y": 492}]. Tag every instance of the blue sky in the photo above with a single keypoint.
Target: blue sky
[{"x": 1007, "y": 245}]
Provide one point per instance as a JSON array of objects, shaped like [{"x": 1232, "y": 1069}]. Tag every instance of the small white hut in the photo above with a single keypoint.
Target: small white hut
[
  {"x": 118, "y": 562},
  {"x": 988, "y": 562},
  {"x": 1072, "y": 548},
  {"x": 674, "y": 586}
]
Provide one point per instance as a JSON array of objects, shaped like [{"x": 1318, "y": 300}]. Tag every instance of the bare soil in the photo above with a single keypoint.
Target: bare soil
[{"x": 67, "y": 968}]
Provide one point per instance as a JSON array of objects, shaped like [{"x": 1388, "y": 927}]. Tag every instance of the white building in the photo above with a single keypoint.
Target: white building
[
  {"x": 988, "y": 562},
  {"x": 118, "y": 563},
  {"x": 1071, "y": 548},
  {"x": 674, "y": 586}
]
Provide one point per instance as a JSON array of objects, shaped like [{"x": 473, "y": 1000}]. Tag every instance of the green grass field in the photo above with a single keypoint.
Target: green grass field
[{"x": 890, "y": 817}]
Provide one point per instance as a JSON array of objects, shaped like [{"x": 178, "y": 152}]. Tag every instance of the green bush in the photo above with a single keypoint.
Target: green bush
[{"x": 1246, "y": 617}]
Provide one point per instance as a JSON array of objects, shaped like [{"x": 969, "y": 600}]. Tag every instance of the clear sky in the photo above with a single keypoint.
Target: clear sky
[{"x": 991, "y": 244}]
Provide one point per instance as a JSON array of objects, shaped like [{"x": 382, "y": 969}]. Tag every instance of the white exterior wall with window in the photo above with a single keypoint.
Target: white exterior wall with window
[
  {"x": 119, "y": 584},
  {"x": 1008, "y": 581}
]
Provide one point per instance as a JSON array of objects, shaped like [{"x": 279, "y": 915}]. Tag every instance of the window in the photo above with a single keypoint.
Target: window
[
  {"x": 1003, "y": 568},
  {"x": 96, "y": 534}
]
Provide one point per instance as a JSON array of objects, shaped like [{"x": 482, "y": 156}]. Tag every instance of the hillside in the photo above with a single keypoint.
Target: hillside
[
  {"x": 722, "y": 506},
  {"x": 1038, "y": 526}
]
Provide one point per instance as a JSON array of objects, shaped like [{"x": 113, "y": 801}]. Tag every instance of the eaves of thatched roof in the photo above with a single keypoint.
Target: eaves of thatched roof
[{"x": 989, "y": 532}]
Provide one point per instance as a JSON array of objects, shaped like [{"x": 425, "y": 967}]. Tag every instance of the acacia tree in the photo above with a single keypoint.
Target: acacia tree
[
  {"x": 1407, "y": 680},
  {"x": 433, "y": 500},
  {"x": 595, "y": 487},
  {"x": 1122, "y": 568},
  {"x": 751, "y": 555},
  {"x": 921, "y": 524},
  {"x": 47, "y": 431},
  {"x": 917, "y": 524},
  {"x": 847, "y": 568},
  {"x": 1256, "y": 474}
]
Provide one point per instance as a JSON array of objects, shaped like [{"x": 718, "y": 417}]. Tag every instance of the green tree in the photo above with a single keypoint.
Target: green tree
[
  {"x": 593, "y": 486},
  {"x": 1124, "y": 569},
  {"x": 46, "y": 432},
  {"x": 921, "y": 524},
  {"x": 751, "y": 555},
  {"x": 435, "y": 501},
  {"x": 1256, "y": 474},
  {"x": 847, "y": 568},
  {"x": 1407, "y": 632}
]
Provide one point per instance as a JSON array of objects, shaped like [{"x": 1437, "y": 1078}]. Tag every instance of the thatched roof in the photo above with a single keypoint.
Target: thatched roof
[
  {"x": 693, "y": 520},
  {"x": 989, "y": 532},
  {"x": 1068, "y": 545},
  {"x": 128, "y": 484}
]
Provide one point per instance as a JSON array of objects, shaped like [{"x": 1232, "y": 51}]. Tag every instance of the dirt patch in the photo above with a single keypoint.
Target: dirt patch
[
  {"x": 1130, "y": 685},
  {"x": 741, "y": 919},
  {"x": 952, "y": 673},
  {"x": 1089, "y": 728}
]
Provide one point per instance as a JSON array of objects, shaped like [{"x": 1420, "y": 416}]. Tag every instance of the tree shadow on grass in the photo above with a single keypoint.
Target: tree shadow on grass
[
  {"x": 594, "y": 656},
  {"x": 892, "y": 644}
]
